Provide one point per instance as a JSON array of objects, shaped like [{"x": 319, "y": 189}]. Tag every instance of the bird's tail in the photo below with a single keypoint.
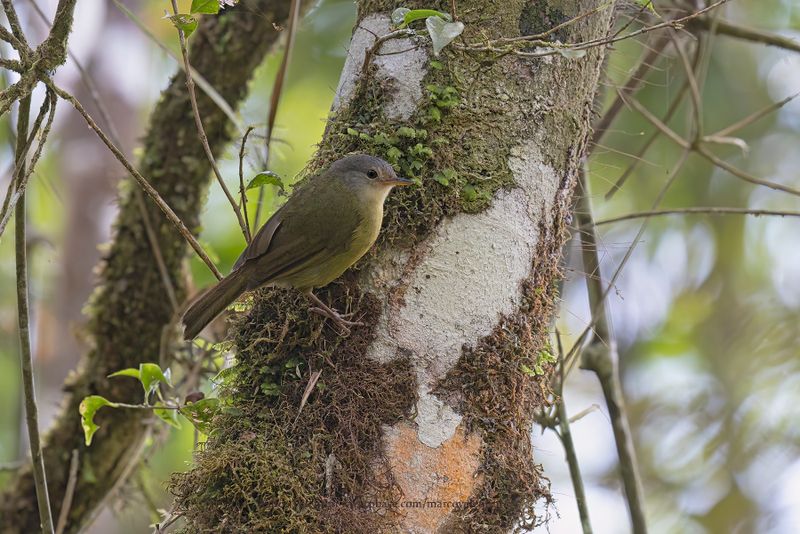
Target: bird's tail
[{"x": 211, "y": 303}]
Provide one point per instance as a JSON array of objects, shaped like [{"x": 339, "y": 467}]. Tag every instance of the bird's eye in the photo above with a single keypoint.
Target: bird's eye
[{"x": 372, "y": 174}]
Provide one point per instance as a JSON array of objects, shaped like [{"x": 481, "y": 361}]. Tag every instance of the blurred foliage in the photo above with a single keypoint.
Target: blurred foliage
[{"x": 706, "y": 313}]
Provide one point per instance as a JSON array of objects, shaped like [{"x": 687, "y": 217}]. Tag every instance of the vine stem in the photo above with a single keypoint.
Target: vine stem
[{"x": 26, "y": 358}]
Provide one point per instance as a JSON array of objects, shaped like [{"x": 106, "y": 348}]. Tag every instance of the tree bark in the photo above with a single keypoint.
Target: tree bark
[
  {"x": 421, "y": 420},
  {"x": 128, "y": 310}
]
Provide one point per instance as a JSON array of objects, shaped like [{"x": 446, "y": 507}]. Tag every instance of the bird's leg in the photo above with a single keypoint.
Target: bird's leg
[{"x": 326, "y": 311}]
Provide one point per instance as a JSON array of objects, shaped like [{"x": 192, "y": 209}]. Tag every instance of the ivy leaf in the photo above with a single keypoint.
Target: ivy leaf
[
  {"x": 130, "y": 371},
  {"x": 201, "y": 413},
  {"x": 88, "y": 407},
  {"x": 442, "y": 33},
  {"x": 208, "y": 7},
  {"x": 150, "y": 375},
  {"x": 167, "y": 415},
  {"x": 184, "y": 22},
  {"x": 418, "y": 14},
  {"x": 265, "y": 178}
]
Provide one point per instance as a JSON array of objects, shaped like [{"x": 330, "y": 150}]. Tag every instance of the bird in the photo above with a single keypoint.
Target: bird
[{"x": 324, "y": 227}]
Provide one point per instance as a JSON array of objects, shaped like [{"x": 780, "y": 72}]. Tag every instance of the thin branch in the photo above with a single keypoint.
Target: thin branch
[
  {"x": 666, "y": 130},
  {"x": 633, "y": 84},
  {"x": 737, "y": 31},
  {"x": 201, "y": 131},
  {"x": 646, "y": 146},
  {"x": 601, "y": 358},
  {"x": 13, "y": 21},
  {"x": 738, "y": 125},
  {"x": 709, "y": 210},
  {"x": 275, "y": 97},
  {"x": 697, "y": 100},
  {"x": 26, "y": 358},
  {"x": 589, "y": 329},
  {"x": 242, "y": 191},
  {"x": 565, "y": 434},
  {"x": 69, "y": 493},
  {"x": 21, "y": 175},
  {"x": 553, "y": 48},
  {"x": 149, "y": 189}
]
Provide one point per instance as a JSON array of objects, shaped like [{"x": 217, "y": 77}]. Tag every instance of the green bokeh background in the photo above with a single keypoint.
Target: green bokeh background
[{"x": 706, "y": 312}]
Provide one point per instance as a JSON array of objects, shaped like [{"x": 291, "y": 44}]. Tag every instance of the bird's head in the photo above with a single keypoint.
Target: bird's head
[{"x": 366, "y": 174}]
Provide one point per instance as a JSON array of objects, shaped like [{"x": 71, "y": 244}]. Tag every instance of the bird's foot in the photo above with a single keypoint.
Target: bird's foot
[{"x": 340, "y": 320}]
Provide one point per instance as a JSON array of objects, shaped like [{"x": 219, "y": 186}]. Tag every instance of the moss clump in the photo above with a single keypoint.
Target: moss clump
[{"x": 270, "y": 467}]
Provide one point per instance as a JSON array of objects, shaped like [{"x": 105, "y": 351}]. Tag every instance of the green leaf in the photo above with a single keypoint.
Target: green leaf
[
  {"x": 445, "y": 176},
  {"x": 648, "y": 4},
  {"x": 265, "y": 178},
  {"x": 394, "y": 154},
  {"x": 436, "y": 64},
  {"x": 201, "y": 413},
  {"x": 271, "y": 389},
  {"x": 134, "y": 373},
  {"x": 88, "y": 407},
  {"x": 418, "y": 14},
  {"x": 150, "y": 375},
  {"x": 527, "y": 370},
  {"x": 209, "y": 7},
  {"x": 405, "y": 131},
  {"x": 167, "y": 415},
  {"x": 469, "y": 193},
  {"x": 184, "y": 22},
  {"x": 442, "y": 33}
]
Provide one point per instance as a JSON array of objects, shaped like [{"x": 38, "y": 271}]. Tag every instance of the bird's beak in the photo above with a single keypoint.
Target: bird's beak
[{"x": 397, "y": 180}]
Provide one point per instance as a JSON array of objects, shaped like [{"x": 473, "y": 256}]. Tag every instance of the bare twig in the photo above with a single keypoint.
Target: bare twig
[
  {"x": 565, "y": 434},
  {"x": 275, "y": 97},
  {"x": 201, "y": 131},
  {"x": 66, "y": 503},
  {"x": 737, "y": 31},
  {"x": 26, "y": 358},
  {"x": 242, "y": 191},
  {"x": 633, "y": 84},
  {"x": 149, "y": 189},
  {"x": 697, "y": 101},
  {"x": 646, "y": 146},
  {"x": 709, "y": 210},
  {"x": 738, "y": 125},
  {"x": 22, "y": 173},
  {"x": 13, "y": 21},
  {"x": 601, "y": 358}
]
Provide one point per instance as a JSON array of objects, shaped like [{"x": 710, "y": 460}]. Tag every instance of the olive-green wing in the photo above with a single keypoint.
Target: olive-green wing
[{"x": 315, "y": 224}]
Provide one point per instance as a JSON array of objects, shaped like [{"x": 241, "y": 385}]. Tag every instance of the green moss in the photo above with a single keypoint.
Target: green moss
[{"x": 264, "y": 469}]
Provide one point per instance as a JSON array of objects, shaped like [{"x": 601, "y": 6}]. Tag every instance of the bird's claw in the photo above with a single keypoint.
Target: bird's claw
[{"x": 337, "y": 318}]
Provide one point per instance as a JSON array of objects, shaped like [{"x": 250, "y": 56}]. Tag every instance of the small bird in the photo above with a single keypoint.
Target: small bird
[{"x": 323, "y": 229}]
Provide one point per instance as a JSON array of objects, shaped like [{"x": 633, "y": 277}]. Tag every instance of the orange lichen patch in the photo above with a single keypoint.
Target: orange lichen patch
[{"x": 434, "y": 481}]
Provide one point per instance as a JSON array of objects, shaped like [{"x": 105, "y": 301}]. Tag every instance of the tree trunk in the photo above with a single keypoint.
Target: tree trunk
[
  {"x": 421, "y": 420},
  {"x": 128, "y": 310}
]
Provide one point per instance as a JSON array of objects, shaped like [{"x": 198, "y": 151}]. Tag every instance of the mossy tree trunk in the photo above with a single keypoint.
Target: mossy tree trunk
[
  {"x": 128, "y": 310},
  {"x": 421, "y": 419}
]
